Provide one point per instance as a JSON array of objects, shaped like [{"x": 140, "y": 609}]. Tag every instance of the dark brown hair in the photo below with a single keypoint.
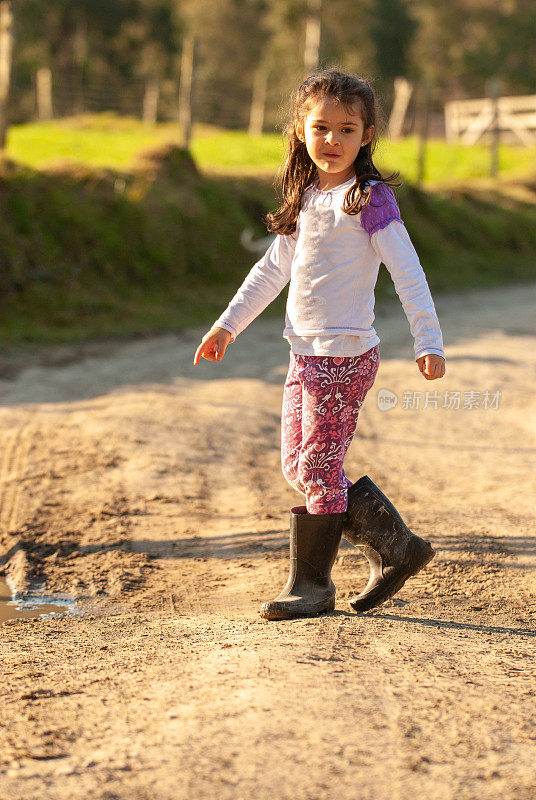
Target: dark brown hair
[{"x": 298, "y": 170}]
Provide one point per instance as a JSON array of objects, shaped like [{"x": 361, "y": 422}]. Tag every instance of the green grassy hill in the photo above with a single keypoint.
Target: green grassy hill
[
  {"x": 90, "y": 251},
  {"x": 107, "y": 140}
]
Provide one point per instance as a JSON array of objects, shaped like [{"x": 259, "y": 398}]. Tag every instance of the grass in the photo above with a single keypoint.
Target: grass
[{"x": 107, "y": 140}]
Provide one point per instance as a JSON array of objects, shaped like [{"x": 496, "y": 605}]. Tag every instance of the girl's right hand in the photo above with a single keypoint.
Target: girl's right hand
[{"x": 213, "y": 345}]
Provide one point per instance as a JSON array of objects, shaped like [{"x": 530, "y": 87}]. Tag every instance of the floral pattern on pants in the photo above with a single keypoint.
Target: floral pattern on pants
[{"x": 322, "y": 397}]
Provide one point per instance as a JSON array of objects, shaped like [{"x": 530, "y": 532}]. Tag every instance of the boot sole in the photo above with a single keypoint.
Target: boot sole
[
  {"x": 272, "y": 611},
  {"x": 380, "y": 594}
]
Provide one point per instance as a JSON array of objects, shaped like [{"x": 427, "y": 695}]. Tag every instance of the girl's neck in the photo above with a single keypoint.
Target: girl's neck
[{"x": 336, "y": 181}]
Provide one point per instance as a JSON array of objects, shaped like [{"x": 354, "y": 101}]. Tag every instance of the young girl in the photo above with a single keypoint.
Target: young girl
[{"x": 338, "y": 221}]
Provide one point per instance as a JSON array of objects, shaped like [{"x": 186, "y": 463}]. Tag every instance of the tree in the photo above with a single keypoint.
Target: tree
[{"x": 392, "y": 30}]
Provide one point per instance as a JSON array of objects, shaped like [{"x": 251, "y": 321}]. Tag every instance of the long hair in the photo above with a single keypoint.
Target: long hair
[{"x": 298, "y": 170}]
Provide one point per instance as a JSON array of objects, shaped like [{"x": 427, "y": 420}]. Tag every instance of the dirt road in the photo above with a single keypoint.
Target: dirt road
[{"x": 151, "y": 491}]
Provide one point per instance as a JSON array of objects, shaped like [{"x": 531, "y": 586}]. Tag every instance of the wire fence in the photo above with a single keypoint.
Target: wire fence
[
  {"x": 150, "y": 101},
  {"x": 68, "y": 98}
]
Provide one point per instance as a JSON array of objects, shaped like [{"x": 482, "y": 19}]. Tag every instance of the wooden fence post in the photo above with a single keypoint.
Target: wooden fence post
[
  {"x": 44, "y": 93},
  {"x": 150, "y": 101},
  {"x": 186, "y": 86},
  {"x": 494, "y": 90},
  {"x": 403, "y": 90},
  {"x": 258, "y": 101},
  {"x": 423, "y": 132},
  {"x": 313, "y": 31},
  {"x": 79, "y": 56},
  {"x": 6, "y": 52}
]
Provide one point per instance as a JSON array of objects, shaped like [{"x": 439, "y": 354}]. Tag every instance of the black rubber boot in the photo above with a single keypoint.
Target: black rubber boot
[
  {"x": 374, "y": 561},
  {"x": 314, "y": 542},
  {"x": 372, "y": 521}
]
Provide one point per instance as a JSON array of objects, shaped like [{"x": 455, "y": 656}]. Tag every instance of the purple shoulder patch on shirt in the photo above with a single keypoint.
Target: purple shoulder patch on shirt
[{"x": 381, "y": 209}]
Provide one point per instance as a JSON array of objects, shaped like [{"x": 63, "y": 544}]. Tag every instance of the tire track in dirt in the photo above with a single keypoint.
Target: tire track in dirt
[{"x": 12, "y": 471}]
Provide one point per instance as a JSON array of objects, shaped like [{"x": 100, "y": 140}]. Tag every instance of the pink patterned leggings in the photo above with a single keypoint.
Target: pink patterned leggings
[{"x": 321, "y": 402}]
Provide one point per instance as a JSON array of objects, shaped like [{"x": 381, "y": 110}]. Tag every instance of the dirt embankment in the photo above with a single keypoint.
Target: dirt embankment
[{"x": 152, "y": 492}]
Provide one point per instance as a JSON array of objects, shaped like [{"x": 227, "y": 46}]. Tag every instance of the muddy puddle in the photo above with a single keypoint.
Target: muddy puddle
[{"x": 29, "y": 606}]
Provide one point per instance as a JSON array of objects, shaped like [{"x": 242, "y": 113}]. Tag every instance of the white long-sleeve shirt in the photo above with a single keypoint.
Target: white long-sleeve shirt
[{"x": 332, "y": 262}]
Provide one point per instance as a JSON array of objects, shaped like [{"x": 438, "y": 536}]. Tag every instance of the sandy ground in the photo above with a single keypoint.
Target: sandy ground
[{"x": 151, "y": 491}]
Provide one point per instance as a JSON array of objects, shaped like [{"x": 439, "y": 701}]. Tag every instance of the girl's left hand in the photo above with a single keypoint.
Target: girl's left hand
[{"x": 432, "y": 366}]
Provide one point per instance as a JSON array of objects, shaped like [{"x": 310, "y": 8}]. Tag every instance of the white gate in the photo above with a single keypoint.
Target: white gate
[{"x": 467, "y": 120}]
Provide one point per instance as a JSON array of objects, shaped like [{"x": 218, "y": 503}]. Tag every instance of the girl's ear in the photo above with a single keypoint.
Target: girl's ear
[
  {"x": 367, "y": 137},
  {"x": 299, "y": 133}
]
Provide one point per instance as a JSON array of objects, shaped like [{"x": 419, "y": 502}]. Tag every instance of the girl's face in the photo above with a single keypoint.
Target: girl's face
[{"x": 333, "y": 137}]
